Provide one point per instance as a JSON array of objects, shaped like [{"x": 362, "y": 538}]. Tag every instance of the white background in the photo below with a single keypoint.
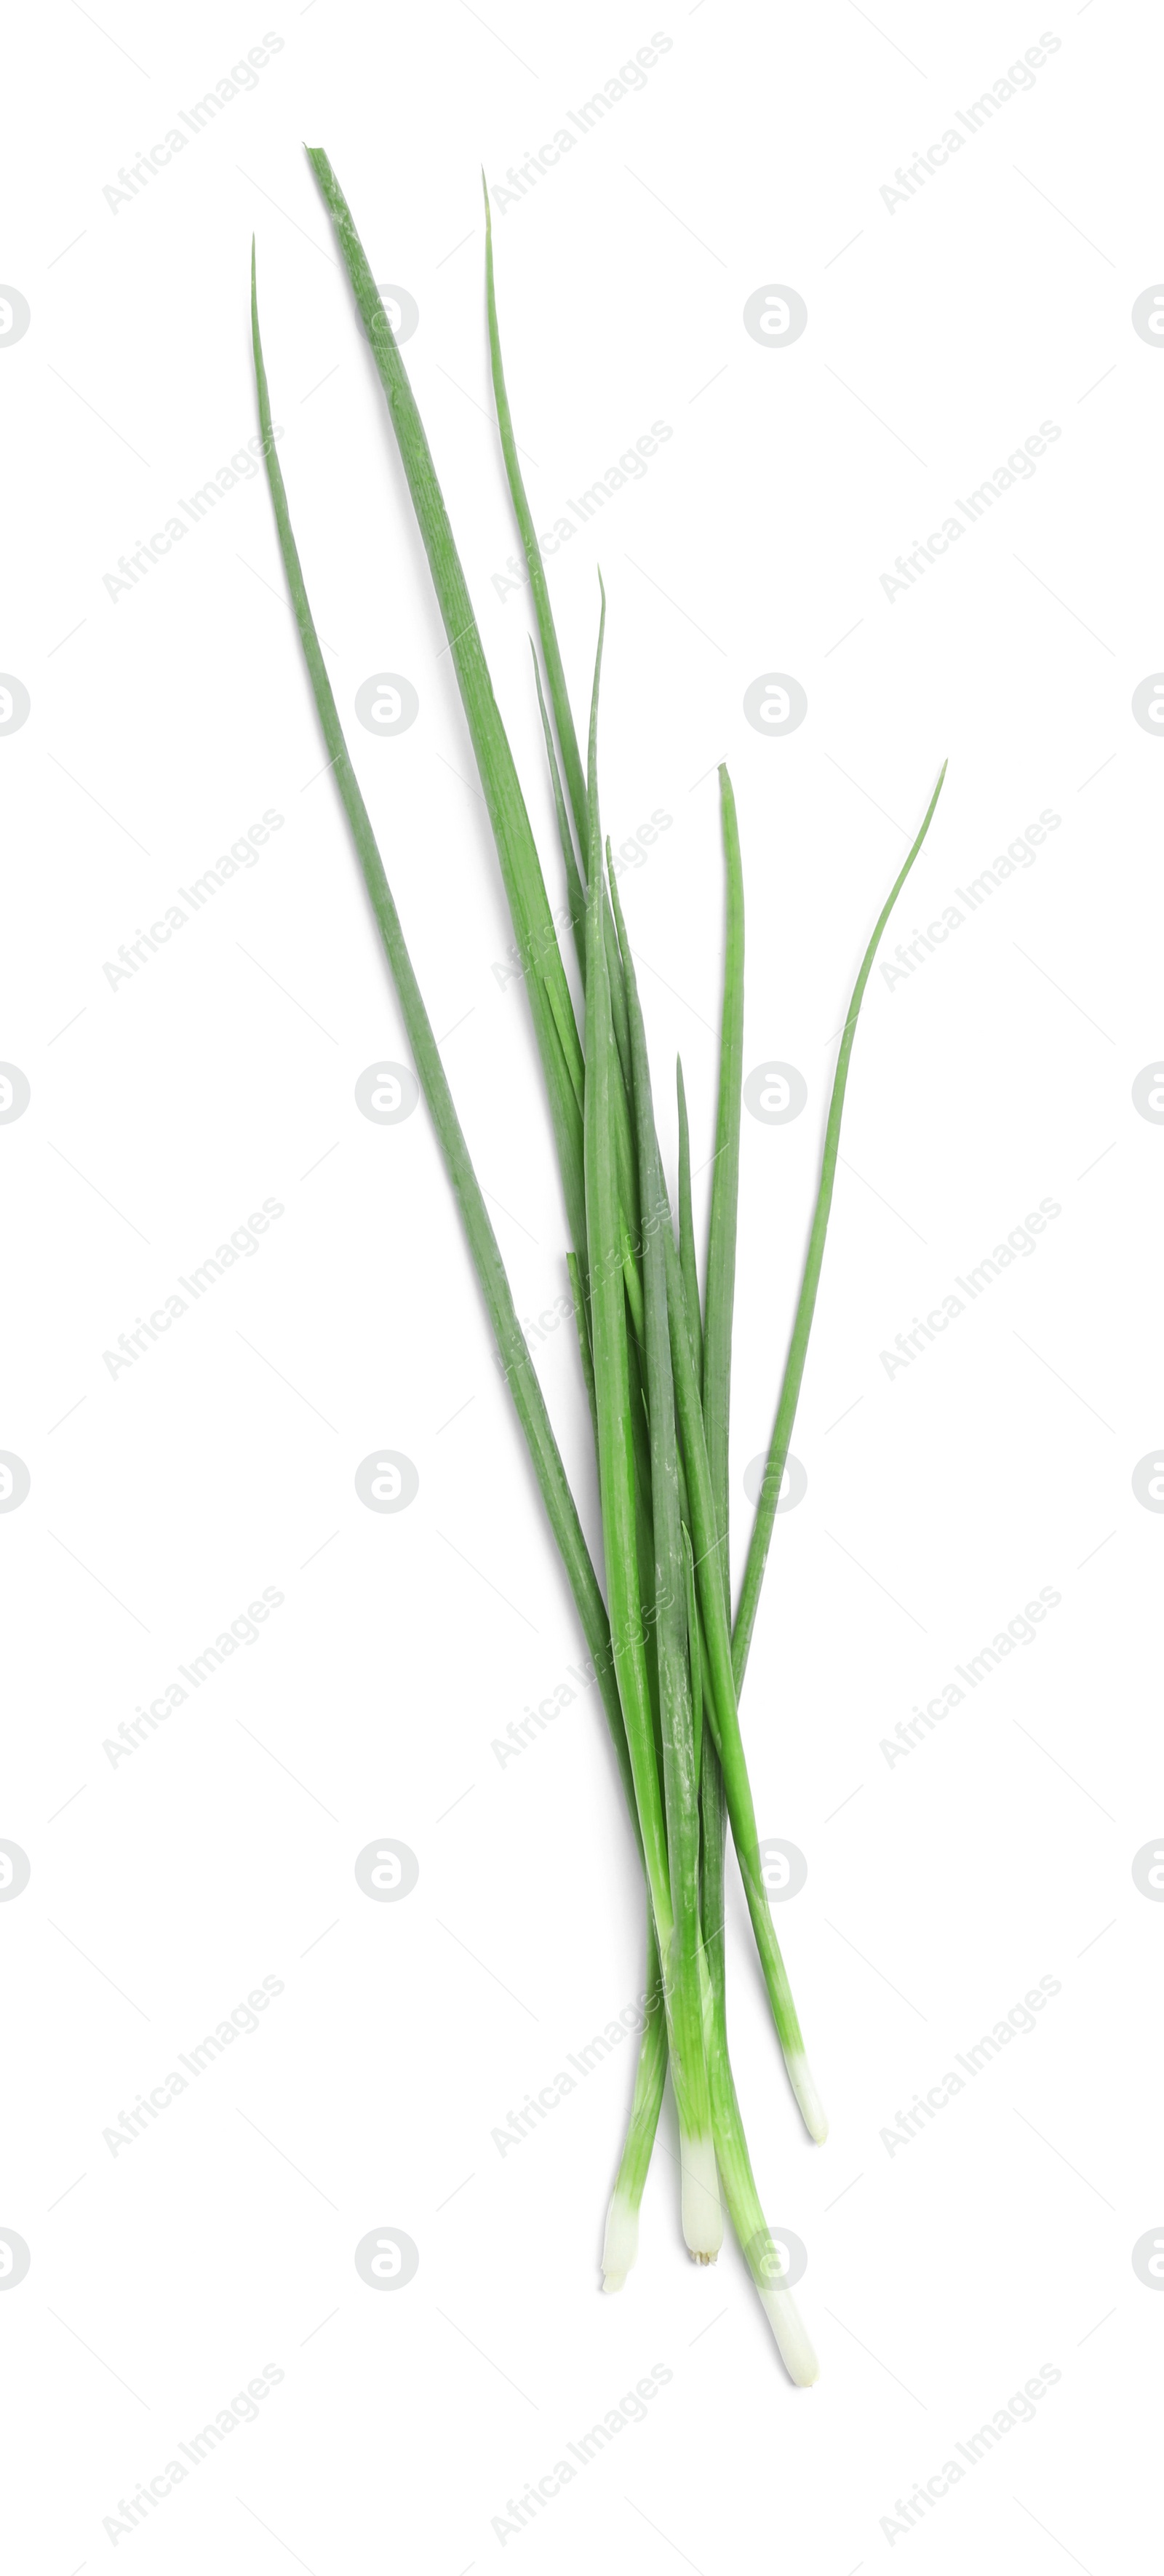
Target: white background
[{"x": 163, "y": 723}]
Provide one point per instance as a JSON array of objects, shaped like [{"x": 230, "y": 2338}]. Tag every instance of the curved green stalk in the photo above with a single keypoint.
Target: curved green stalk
[
  {"x": 551, "y": 650},
  {"x": 559, "y": 695},
  {"x": 574, "y": 894},
  {"x": 520, "y": 1373},
  {"x": 520, "y": 867},
  {"x": 725, "y": 1184},
  {"x": 802, "y": 1325}
]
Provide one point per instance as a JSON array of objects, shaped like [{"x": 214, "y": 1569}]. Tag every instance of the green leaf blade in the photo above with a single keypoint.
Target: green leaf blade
[{"x": 765, "y": 1519}]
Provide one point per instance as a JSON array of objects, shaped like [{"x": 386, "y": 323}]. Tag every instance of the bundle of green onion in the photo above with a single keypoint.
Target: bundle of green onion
[{"x": 655, "y": 1357}]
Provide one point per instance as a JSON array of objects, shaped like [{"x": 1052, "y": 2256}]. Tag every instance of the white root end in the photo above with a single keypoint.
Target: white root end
[
  {"x": 811, "y": 2107},
  {"x": 702, "y": 2215},
  {"x": 792, "y": 2340},
  {"x": 621, "y": 2244}
]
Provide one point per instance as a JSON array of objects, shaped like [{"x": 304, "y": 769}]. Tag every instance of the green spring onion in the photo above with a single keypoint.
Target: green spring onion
[{"x": 656, "y": 1363}]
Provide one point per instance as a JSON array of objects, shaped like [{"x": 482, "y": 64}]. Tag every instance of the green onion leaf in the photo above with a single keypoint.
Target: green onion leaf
[
  {"x": 802, "y": 1325},
  {"x": 516, "y": 850},
  {"x": 521, "y": 1376},
  {"x": 702, "y": 2224}
]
